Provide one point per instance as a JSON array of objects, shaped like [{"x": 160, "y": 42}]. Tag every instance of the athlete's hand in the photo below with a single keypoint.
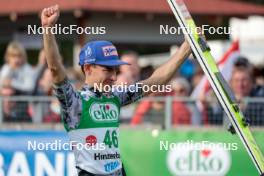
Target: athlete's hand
[
  {"x": 49, "y": 16},
  {"x": 201, "y": 35},
  {"x": 200, "y": 32},
  {"x": 187, "y": 47}
]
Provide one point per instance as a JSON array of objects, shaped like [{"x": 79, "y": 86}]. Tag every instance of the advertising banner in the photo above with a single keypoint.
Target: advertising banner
[
  {"x": 187, "y": 153},
  {"x": 144, "y": 153}
]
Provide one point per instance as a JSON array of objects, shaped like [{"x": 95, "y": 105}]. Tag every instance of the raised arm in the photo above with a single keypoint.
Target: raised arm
[
  {"x": 163, "y": 74},
  {"x": 49, "y": 17}
]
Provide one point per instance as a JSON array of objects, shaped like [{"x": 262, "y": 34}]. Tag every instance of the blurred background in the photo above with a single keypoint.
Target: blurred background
[{"x": 28, "y": 110}]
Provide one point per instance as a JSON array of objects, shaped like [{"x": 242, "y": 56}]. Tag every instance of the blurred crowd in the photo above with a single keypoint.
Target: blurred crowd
[{"x": 19, "y": 78}]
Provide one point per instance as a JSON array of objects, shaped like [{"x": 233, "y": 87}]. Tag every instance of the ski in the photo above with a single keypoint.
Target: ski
[{"x": 222, "y": 90}]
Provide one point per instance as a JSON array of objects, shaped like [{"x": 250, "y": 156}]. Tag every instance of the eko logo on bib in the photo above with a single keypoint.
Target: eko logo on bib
[{"x": 104, "y": 112}]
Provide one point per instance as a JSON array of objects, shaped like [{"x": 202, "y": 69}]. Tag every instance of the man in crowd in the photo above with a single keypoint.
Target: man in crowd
[{"x": 243, "y": 85}]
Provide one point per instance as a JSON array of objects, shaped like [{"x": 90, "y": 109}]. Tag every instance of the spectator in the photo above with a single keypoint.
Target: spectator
[
  {"x": 197, "y": 77},
  {"x": 149, "y": 111},
  {"x": 243, "y": 86},
  {"x": 259, "y": 75},
  {"x": 16, "y": 78},
  {"x": 76, "y": 77},
  {"x": 133, "y": 69},
  {"x": 146, "y": 71},
  {"x": 15, "y": 73},
  {"x": 125, "y": 79},
  {"x": 45, "y": 83},
  {"x": 241, "y": 82},
  {"x": 182, "y": 113},
  {"x": 127, "y": 111},
  {"x": 43, "y": 88},
  {"x": 40, "y": 69},
  {"x": 128, "y": 75},
  {"x": 53, "y": 114}
]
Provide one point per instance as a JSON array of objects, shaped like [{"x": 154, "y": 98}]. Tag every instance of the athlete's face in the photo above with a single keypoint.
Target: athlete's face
[{"x": 103, "y": 75}]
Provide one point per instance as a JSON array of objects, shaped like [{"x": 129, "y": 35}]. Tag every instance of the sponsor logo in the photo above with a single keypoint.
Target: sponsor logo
[
  {"x": 104, "y": 112},
  {"x": 206, "y": 161},
  {"x": 99, "y": 156},
  {"x": 109, "y": 51},
  {"x": 111, "y": 166},
  {"x": 88, "y": 51},
  {"x": 91, "y": 140},
  {"x": 20, "y": 162}
]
